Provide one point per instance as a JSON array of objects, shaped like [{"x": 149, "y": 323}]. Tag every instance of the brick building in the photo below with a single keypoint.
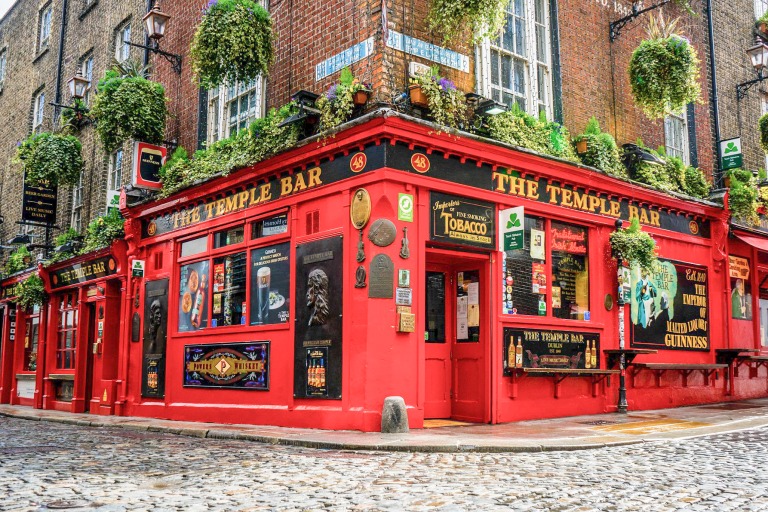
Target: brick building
[{"x": 42, "y": 47}]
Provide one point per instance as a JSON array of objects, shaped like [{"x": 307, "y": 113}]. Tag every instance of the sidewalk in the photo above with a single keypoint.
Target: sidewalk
[{"x": 575, "y": 433}]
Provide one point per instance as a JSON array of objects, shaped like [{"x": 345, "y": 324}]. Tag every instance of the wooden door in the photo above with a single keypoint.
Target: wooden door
[{"x": 437, "y": 402}]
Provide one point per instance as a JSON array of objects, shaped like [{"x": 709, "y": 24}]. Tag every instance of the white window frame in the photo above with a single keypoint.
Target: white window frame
[
  {"x": 761, "y": 6},
  {"x": 86, "y": 69},
  {"x": 534, "y": 101},
  {"x": 38, "y": 113},
  {"x": 45, "y": 20},
  {"x": 221, "y": 124},
  {"x": 672, "y": 123},
  {"x": 3, "y": 65},
  {"x": 115, "y": 172},
  {"x": 77, "y": 204},
  {"x": 123, "y": 34}
]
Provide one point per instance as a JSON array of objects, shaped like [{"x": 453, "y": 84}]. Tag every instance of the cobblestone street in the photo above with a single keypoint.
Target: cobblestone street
[{"x": 47, "y": 465}]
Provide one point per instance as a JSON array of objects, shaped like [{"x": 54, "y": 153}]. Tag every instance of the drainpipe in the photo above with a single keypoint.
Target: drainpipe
[
  {"x": 147, "y": 42},
  {"x": 716, "y": 172},
  {"x": 60, "y": 61}
]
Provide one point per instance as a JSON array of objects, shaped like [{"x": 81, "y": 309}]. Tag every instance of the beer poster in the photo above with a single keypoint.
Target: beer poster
[
  {"x": 194, "y": 282},
  {"x": 669, "y": 307},
  {"x": 318, "y": 331},
  {"x": 540, "y": 348},
  {"x": 270, "y": 284}
]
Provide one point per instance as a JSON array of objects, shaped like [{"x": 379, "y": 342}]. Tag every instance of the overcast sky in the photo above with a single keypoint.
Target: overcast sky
[{"x": 5, "y": 5}]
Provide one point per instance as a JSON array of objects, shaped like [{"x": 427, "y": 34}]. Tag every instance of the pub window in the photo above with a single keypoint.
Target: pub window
[
  {"x": 3, "y": 65},
  {"x": 549, "y": 275},
  {"x": 276, "y": 225},
  {"x": 67, "y": 332},
  {"x": 229, "y": 236},
  {"x": 31, "y": 339},
  {"x": 195, "y": 246},
  {"x": 741, "y": 296},
  {"x": 38, "y": 112},
  {"x": 86, "y": 68},
  {"x": 676, "y": 136},
  {"x": 77, "y": 205},
  {"x": 228, "y": 306}
]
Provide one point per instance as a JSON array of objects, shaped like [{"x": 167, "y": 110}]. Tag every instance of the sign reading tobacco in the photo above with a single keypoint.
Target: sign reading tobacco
[
  {"x": 458, "y": 220},
  {"x": 670, "y": 307},
  {"x": 83, "y": 272}
]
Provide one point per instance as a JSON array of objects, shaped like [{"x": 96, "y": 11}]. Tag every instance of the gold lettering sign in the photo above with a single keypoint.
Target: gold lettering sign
[{"x": 738, "y": 267}]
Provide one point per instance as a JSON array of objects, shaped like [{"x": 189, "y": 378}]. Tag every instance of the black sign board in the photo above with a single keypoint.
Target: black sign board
[
  {"x": 154, "y": 345},
  {"x": 83, "y": 272},
  {"x": 38, "y": 204},
  {"x": 462, "y": 221},
  {"x": 318, "y": 332},
  {"x": 670, "y": 307},
  {"x": 227, "y": 365},
  {"x": 541, "y": 348}
]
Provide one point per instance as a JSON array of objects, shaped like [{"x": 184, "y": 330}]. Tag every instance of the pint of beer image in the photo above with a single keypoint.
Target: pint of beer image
[{"x": 263, "y": 277}]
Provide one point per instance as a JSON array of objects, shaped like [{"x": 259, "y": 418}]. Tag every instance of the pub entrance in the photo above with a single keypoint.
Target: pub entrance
[{"x": 457, "y": 324}]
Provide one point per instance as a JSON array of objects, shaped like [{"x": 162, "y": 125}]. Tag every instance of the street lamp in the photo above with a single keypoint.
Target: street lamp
[
  {"x": 620, "y": 302},
  {"x": 78, "y": 85},
  {"x": 758, "y": 56},
  {"x": 155, "y": 21}
]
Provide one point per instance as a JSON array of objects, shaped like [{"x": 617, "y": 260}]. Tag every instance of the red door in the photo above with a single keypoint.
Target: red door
[{"x": 457, "y": 337}]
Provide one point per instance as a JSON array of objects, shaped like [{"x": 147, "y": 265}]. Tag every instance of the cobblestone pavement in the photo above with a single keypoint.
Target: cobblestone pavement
[{"x": 47, "y": 465}]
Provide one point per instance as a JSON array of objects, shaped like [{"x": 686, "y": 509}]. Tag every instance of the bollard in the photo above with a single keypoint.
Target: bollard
[{"x": 394, "y": 419}]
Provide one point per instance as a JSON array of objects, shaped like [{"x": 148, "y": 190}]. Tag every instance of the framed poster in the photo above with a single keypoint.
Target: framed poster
[
  {"x": 193, "y": 291},
  {"x": 227, "y": 365},
  {"x": 270, "y": 284}
]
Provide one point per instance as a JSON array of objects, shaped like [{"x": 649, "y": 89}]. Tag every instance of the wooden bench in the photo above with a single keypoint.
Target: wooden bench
[
  {"x": 708, "y": 370},
  {"x": 560, "y": 374}
]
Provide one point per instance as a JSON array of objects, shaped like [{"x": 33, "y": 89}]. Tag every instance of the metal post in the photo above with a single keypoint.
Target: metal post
[{"x": 622, "y": 405}]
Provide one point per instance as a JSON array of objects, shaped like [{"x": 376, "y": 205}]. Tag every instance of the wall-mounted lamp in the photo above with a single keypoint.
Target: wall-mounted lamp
[
  {"x": 20, "y": 239},
  {"x": 634, "y": 155},
  {"x": 155, "y": 22},
  {"x": 758, "y": 56},
  {"x": 306, "y": 114}
]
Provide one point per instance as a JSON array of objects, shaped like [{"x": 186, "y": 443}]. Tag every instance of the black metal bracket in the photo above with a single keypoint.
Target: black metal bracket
[
  {"x": 172, "y": 58},
  {"x": 616, "y": 26},
  {"x": 742, "y": 88}
]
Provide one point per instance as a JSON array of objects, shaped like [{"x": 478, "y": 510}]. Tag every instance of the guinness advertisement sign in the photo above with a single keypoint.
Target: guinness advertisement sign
[
  {"x": 83, "y": 272},
  {"x": 461, "y": 221}
]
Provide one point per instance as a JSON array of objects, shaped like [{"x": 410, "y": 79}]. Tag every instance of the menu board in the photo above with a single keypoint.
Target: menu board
[{"x": 193, "y": 291}]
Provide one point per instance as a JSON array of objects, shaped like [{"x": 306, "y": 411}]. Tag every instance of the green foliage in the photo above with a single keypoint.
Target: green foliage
[
  {"x": 602, "y": 151},
  {"x": 129, "y": 107},
  {"x": 743, "y": 196},
  {"x": 18, "y": 260},
  {"x": 664, "y": 72},
  {"x": 263, "y": 139},
  {"x": 75, "y": 117},
  {"x": 518, "y": 128},
  {"x": 103, "y": 230},
  {"x": 337, "y": 104},
  {"x": 633, "y": 245},
  {"x": 234, "y": 42},
  {"x": 50, "y": 159},
  {"x": 763, "y": 126},
  {"x": 69, "y": 235},
  {"x": 696, "y": 185},
  {"x": 453, "y": 17},
  {"x": 31, "y": 292},
  {"x": 672, "y": 176},
  {"x": 446, "y": 103}
]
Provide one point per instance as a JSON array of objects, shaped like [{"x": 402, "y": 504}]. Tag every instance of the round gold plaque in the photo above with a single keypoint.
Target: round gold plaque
[
  {"x": 382, "y": 232},
  {"x": 360, "y": 209}
]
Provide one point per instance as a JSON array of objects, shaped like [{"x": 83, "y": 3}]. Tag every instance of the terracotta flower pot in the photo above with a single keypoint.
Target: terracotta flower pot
[
  {"x": 418, "y": 98},
  {"x": 360, "y": 98},
  {"x": 581, "y": 146}
]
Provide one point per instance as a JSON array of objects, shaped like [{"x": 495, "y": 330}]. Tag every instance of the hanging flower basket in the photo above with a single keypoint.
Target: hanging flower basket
[
  {"x": 664, "y": 71},
  {"x": 452, "y": 17},
  {"x": 234, "y": 42},
  {"x": 50, "y": 159},
  {"x": 360, "y": 98},
  {"x": 634, "y": 246},
  {"x": 581, "y": 146},
  {"x": 418, "y": 98}
]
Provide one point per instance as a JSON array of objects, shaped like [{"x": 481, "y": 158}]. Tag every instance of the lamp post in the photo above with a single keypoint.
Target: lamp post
[{"x": 620, "y": 302}]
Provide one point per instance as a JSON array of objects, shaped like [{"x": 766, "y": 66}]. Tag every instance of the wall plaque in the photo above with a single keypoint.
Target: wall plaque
[
  {"x": 404, "y": 297},
  {"x": 462, "y": 221},
  {"x": 407, "y": 322},
  {"x": 382, "y": 232},
  {"x": 381, "y": 277},
  {"x": 360, "y": 209},
  {"x": 227, "y": 365},
  {"x": 155, "y": 325}
]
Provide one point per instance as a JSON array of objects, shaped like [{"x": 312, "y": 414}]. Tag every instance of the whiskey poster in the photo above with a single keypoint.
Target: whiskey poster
[
  {"x": 541, "y": 348},
  {"x": 318, "y": 331}
]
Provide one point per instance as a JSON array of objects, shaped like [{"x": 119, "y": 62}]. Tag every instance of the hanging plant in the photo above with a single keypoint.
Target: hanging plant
[
  {"x": 763, "y": 126},
  {"x": 338, "y": 103},
  {"x": 599, "y": 149},
  {"x": 743, "y": 198},
  {"x": 664, "y": 71},
  {"x": 18, "y": 260},
  {"x": 31, "y": 292},
  {"x": 452, "y": 17},
  {"x": 129, "y": 107},
  {"x": 234, "y": 42},
  {"x": 634, "y": 246},
  {"x": 103, "y": 230},
  {"x": 446, "y": 103},
  {"x": 50, "y": 159}
]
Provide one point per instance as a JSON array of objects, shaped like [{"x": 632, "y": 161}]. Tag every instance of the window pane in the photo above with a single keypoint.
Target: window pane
[
  {"x": 270, "y": 226},
  {"x": 196, "y": 246},
  {"x": 435, "y": 313},
  {"x": 506, "y": 71},
  {"x": 520, "y": 76},
  {"x": 495, "y": 79},
  {"x": 228, "y": 306},
  {"x": 570, "y": 271},
  {"x": 520, "y": 296},
  {"x": 228, "y": 237},
  {"x": 741, "y": 299}
]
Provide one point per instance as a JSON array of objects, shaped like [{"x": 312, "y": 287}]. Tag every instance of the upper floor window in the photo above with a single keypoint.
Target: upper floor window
[
  {"x": 515, "y": 67},
  {"x": 115, "y": 173},
  {"x": 38, "y": 112},
  {"x": 764, "y": 110},
  {"x": 3, "y": 63},
  {"x": 761, "y": 6},
  {"x": 676, "y": 136},
  {"x": 232, "y": 108},
  {"x": 46, "y": 14},
  {"x": 86, "y": 68},
  {"x": 77, "y": 205},
  {"x": 122, "y": 49}
]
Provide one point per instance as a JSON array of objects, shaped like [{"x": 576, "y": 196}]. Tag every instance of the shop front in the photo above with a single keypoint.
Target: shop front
[
  {"x": 474, "y": 280},
  {"x": 20, "y": 332},
  {"x": 81, "y": 350}
]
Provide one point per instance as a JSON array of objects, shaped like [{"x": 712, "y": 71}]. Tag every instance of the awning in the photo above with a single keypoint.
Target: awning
[{"x": 758, "y": 242}]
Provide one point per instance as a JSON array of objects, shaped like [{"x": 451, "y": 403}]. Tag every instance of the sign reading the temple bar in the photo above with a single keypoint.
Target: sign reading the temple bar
[
  {"x": 462, "y": 221},
  {"x": 84, "y": 271},
  {"x": 318, "y": 334},
  {"x": 11, "y": 291},
  {"x": 227, "y": 365},
  {"x": 670, "y": 307},
  {"x": 38, "y": 204},
  {"x": 147, "y": 161},
  {"x": 539, "y": 348}
]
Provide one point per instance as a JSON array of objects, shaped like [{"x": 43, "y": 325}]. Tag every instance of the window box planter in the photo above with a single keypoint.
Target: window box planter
[
  {"x": 418, "y": 98},
  {"x": 360, "y": 98},
  {"x": 581, "y": 146}
]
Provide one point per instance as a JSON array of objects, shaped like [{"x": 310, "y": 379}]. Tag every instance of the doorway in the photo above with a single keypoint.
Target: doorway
[{"x": 457, "y": 337}]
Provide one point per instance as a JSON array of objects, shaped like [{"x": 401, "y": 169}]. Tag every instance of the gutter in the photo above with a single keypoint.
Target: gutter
[
  {"x": 60, "y": 60},
  {"x": 716, "y": 171}
]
